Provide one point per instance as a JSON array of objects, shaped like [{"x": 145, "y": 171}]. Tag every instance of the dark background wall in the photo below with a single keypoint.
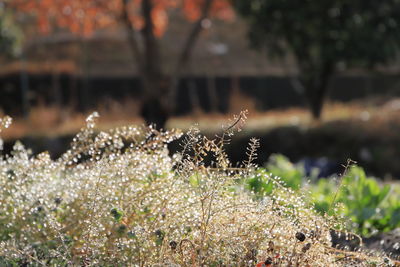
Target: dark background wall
[{"x": 209, "y": 93}]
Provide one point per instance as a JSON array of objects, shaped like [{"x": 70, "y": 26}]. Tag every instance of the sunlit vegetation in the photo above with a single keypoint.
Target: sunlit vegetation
[
  {"x": 118, "y": 198},
  {"x": 369, "y": 206}
]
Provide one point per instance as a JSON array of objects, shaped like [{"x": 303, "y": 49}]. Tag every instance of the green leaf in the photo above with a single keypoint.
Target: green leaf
[{"x": 117, "y": 214}]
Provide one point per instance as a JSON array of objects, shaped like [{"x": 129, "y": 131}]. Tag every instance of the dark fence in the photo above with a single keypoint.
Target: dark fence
[{"x": 209, "y": 93}]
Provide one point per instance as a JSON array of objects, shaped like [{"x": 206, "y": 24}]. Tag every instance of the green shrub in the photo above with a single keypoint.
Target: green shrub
[
  {"x": 292, "y": 175},
  {"x": 369, "y": 206},
  {"x": 260, "y": 183}
]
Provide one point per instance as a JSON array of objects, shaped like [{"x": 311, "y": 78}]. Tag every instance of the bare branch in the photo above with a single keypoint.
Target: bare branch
[
  {"x": 131, "y": 35},
  {"x": 152, "y": 62},
  {"x": 192, "y": 38},
  {"x": 187, "y": 50}
]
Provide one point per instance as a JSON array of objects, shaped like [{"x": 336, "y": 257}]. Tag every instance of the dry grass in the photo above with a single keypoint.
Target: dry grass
[
  {"x": 118, "y": 198},
  {"x": 55, "y": 121}
]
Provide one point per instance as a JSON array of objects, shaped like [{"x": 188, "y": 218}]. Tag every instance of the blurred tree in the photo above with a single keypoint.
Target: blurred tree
[
  {"x": 144, "y": 21},
  {"x": 10, "y": 35},
  {"x": 324, "y": 35},
  {"x": 10, "y": 47}
]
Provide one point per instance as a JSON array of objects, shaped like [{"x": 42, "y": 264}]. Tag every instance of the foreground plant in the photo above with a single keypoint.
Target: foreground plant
[
  {"x": 369, "y": 206},
  {"x": 119, "y": 198}
]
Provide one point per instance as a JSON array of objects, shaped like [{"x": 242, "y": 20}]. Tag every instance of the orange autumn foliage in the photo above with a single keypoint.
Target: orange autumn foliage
[{"x": 83, "y": 17}]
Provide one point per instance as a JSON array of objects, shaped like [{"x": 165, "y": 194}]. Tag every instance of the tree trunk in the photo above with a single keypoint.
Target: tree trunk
[
  {"x": 315, "y": 98},
  {"x": 149, "y": 66},
  {"x": 159, "y": 93},
  {"x": 154, "y": 112},
  {"x": 316, "y": 89},
  {"x": 154, "y": 108}
]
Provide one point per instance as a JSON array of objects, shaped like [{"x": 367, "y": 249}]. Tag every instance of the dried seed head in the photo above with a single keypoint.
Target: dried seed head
[
  {"x": 306, "y": 247},
  {"x": 58, "y": 200},
  {"x": 300, "y": 236},
  {"x": 173, "y": 245},
  {"x": 268, "y": 261},
  {"x": 254, "y": 252},
  {"x": 271, "y": 246},
  {"x": 158, "y": 233}
]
